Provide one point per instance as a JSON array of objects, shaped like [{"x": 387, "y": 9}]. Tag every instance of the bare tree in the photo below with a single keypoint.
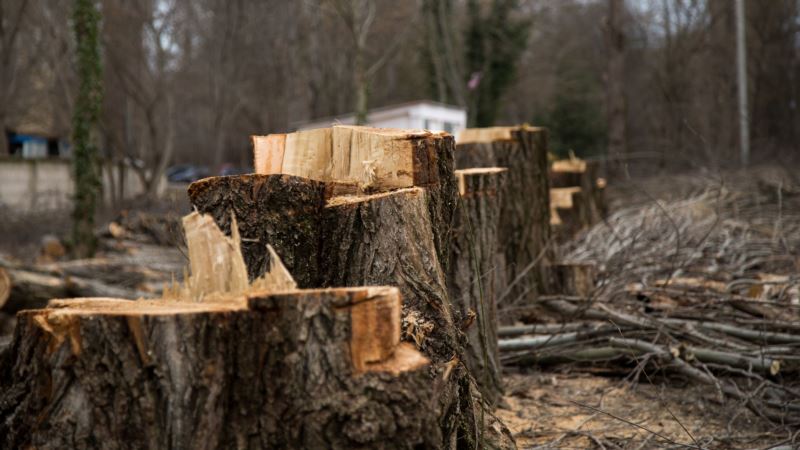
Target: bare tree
[
  {"x": 616, "y": 108},
  {"x": 12, "y": 58}
]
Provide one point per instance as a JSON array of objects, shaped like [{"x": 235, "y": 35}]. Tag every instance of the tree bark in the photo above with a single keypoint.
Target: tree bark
[
  {"x": 389, "y": 239},
  {"x": 472, "y": 278},
  {"x": 279, "y": 210},
  {"x": 615, "y": 78},
  {"x": 307, "y": 369},
  {"x": 525, "y": 201}
]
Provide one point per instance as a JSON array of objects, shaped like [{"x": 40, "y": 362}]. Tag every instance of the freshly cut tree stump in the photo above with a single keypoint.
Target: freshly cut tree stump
[
  {"x": 574, "y": 172},
  {"x": 306, "y": 369},
  {"x": 525, "y": 206},
  {"x": 473, "y": 276},
  {"x": 216, "y": 368},
  {"x": 279, "y": 210},
  {"x": 363, "y": 160},
  {"x": 569, "y": 212}
]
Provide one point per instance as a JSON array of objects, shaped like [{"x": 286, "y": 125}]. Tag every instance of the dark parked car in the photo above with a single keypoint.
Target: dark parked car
[{"x": 186, "y": 173}]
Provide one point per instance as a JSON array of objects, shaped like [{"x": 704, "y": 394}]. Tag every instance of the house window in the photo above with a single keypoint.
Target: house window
[
  {"x": 448, "y": 127},
  {"x": 427, "y": 125}
]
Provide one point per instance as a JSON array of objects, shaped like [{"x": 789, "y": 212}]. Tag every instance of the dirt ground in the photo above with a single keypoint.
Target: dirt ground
[{"x": 581, "y": 410}]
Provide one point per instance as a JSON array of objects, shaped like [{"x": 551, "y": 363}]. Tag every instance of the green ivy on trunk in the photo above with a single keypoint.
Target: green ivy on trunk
[{"x": 86, "y": 169}]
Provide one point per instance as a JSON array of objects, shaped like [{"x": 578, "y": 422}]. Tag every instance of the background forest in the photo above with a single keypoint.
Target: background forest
[{"x": 188, "y": 81}]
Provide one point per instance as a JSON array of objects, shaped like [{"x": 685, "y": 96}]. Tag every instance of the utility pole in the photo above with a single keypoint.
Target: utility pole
[{"x": 741, "y": 63}]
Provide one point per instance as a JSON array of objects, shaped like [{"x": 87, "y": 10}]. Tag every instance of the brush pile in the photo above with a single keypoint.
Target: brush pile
[{"x": 703, "y": 286}]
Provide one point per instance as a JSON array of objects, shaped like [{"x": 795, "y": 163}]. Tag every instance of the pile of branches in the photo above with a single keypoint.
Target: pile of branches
[{"x": 705, "y": 287}]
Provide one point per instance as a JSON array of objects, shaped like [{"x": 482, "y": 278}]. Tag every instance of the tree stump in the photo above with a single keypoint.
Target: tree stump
[
  {"x": 525, "y": 206},
  {"x": 573, "y": 279},
  {"x": 363, "y": 160},
  {"x": 306, "y": 369},
  {"x": 473, "y": 276},
  {"x": 575, "y": 172},
  {"x": 279, "y": 210},
  {"x": 569, "y": 212}
]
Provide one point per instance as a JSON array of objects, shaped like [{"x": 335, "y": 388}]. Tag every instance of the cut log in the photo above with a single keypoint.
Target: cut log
[
  {"x": 280, "y": 210},
  {"x": 525, "y": 208},
  {"x": 473, "y": 278},
  {"x": 31, "y": 288},
  {"x": 309, "y": 369}
]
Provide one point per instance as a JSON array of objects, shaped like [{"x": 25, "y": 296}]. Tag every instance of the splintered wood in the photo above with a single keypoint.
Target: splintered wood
[
  {"x": 370, "y": 159},
  {"x": 215, "y": 259}
]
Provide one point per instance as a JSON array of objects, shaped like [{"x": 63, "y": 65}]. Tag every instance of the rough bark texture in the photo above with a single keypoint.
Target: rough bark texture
[
  {"x": 440, "y": 188},
  {"x": 388, "y": 239},
  {"x": 472, "y": 278},
  {"x": 525, "y": 208},
  {"x": 271, "y": 371},
  {"x": 279, "y": 210}
]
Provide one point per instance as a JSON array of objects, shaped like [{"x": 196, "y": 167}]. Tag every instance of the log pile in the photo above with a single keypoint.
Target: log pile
[{"x": 703, "y": 288}]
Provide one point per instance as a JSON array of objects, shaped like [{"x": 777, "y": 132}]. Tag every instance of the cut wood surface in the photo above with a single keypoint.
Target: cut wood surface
[
  {"x": 525, "y": 208},
  {"x": 473, "y": 280},
  {"x": 375, "y": 159}
]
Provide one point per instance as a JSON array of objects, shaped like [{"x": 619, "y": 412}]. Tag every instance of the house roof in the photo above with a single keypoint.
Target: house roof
[{"x": 383, "y": 109}]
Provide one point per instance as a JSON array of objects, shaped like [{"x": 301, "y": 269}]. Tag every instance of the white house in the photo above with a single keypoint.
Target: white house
[{"x": 423, "y": 114}]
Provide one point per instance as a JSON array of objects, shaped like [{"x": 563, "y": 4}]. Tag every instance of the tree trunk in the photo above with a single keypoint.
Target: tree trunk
[
  {"x": 472, "y": 278},
  {"x": 525, "y": 202},
  {"x": 306, "y": 369},
  {"x": 615, "y": 79},
  {"x": 279, "y": 210},
  {"x": 364, "y": 160}
]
